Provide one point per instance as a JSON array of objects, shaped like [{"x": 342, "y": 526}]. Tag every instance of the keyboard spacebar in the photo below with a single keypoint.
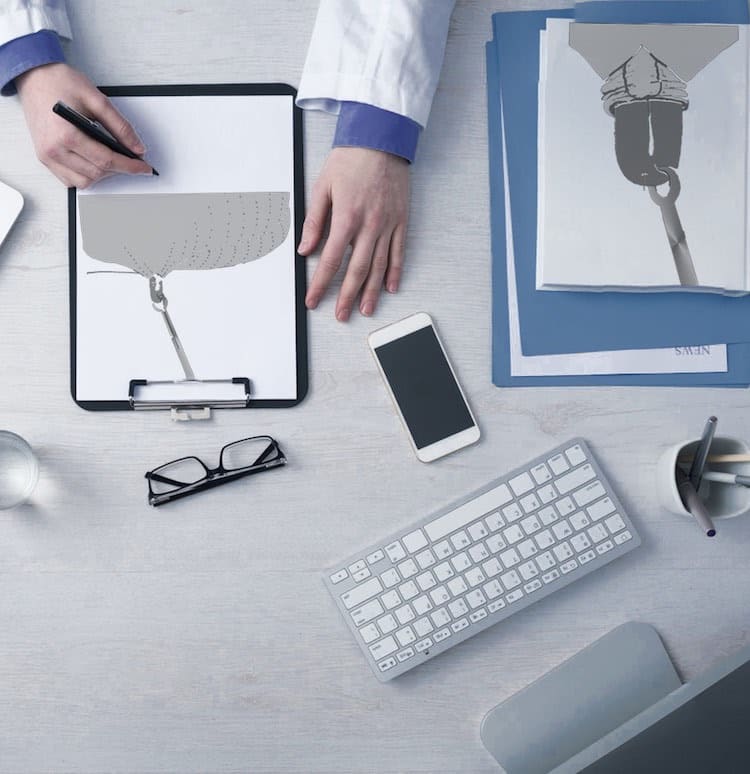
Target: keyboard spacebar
[{"x": 468, "y": 512}]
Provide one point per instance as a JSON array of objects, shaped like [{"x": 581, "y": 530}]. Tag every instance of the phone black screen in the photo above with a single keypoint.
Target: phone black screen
[{"x": 424, "y": 387}]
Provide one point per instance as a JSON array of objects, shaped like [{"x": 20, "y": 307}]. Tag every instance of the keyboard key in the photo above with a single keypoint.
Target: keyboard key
[
  {"x": 443, "y": 634},
  {"x": 457, "y": 626},
  {"x": 512, "y": 512},
  {"x": 513, "y": 534},
  {"x": 568, "y": 566},
  {"x": 530, "y": 525},
  {"x": 527, "y": 548},
  {"x": 550, "y": 576},
  {"x": 361, "y": 575},
  {"x": 408, "y": 568},
  {"x": 580, "y": 542},
  {"x": 367, "y": 612},
  {"x": 478, "y": 615},
  {"x": 602, "y": 508},
  {"x": 558, "y": 464},
  {"x": 495, "y": 605},
  {"x": 475, "y": 598},
  {"x": 390, "y": 578},
  {"x": 383, "y": 648},
  {"x": 614, "y": 523},
  {"x": 395, "y": 552},
  {"x": 521, "y": 484},
  {"x": 544, "y": 539},
  {"x": 439, "y": 595},
  {"x": 492, "y": 567},
  {"x": 460, "y": 540},
  {"x": 405, "y": 614},
  {"x": 478, "y": 531},
  {"x": 510, "y": 558},
  {"x": 369, "y": 633},
  {"x": 425, "y": 559},
  {"x": 496, "y": 543},
  {"x": 530, "y": 503},
  {"x": 562, "y": 530},
  {"x": 492, "y": 589},
  {"x": 589, "y": 493},
  {"x": 574, "y": 479},
  {"x": 458, "y": 608},
  {"x": 478, "y": 553},
  {"x": 545, "y": 561},
  {"x": 408, "y": 590},
  {"x": 357, "y": 566},
  {"x": 597, "y": 533},
  {"x": 465, "y": 514},
  {"x": 579, "y": 520},
  {"x": 391, "y": 599},
  {"x": 514, "y": 596},
  {"x": 387, "y": 624},
  {"x": 461, "y": 562},
  {"x": 623, "y": 537},
  {"x": 602, "y": 548},
  {"x": 337, "y": 577},
  {"x": 562, "y": 552},
  {"x": 457, "y": 586},
  {"x": 442, "y": 549},
  {"x": 494, "y": 521},
  {"x": 547, "y": 493},
  {"x": 426, "y": 580},
  {"x": 532, "y": 586},
  {"x": 541, "y": 474},
  {"x": 387, "y": 664},
  {"x": 443, "y": 572},
  {"x": 408, "y": 653},
  {"x": 422, "y": 626},
  {"x": 528, "y": 570},
  {"x": 361, "y": 593},
  {"x": 575, "y": 455},
  {"x": 406, "y": 636},
  {"x": 565, "y": 506},
  {"x": 375, "y": 556},
  {"x": 414, "y": 541},
  {"x": 475, "y": 577},
  {"x": 586, "y": 557},
  {"x": 548, "y": 515},
  {"x": 422, "y": 605},
  {"x": 423, "y": 645},
  {"x": 440, "y": 617},
  {"x": 510, "y": 579}
]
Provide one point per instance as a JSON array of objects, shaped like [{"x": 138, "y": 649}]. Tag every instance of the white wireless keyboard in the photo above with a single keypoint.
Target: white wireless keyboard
[{"x": 449, "y": 576}]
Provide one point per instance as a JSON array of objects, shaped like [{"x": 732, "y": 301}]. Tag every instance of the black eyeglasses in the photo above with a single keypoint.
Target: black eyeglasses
[{"x": 189, "y": 475}]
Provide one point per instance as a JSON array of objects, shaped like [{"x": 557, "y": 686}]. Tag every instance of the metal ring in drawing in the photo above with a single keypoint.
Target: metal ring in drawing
[{"x": 672, "y": 193}]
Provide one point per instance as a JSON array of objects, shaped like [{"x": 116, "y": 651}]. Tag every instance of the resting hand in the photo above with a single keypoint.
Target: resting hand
[
  {"x": 366, "y": 193},
  {"x": 73, "y": 157}
]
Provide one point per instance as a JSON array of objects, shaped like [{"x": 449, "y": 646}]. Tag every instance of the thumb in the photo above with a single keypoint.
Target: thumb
[{"x": 312, "y": 228}]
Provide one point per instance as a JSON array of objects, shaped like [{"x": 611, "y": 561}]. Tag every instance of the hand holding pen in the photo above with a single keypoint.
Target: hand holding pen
[{"x": 75, "y": 158}]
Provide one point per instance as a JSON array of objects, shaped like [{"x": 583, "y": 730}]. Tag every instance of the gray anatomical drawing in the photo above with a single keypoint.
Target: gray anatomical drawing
[
  {"x": 646, "y": 71},
  {"x": 156, "y": 234}
]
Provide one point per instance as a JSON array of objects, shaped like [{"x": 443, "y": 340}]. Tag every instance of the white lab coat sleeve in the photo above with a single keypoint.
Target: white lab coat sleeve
[
  {"x": 24, "y": 17},
  {"x": 386, "y": 53}
]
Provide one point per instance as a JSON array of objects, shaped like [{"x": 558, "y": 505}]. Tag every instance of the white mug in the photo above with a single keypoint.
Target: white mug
[{"x": 723, "y": 501}]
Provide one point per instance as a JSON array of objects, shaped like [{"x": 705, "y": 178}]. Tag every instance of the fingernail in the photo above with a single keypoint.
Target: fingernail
[
  {"x": 311, "y": 302},
  {"x": 302, "y": 246},
  {"x": 343, "y": 314},
  {"x": 139, "y": 147},
  {"x": 367, "y": 308},
  {"x": 392, "y": 287}
]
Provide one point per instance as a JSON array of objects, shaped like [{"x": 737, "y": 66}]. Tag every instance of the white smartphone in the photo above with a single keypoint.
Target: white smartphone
[{"x": 422, "y": 384}]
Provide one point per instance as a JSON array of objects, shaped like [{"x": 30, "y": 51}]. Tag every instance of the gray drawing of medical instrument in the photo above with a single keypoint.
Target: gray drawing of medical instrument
[
  {"x": 646, "y": 70},
  {"x": 156, "y": 234}
]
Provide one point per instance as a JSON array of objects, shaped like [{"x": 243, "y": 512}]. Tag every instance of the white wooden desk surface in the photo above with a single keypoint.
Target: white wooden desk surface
[{"x": 199, "y": 637}]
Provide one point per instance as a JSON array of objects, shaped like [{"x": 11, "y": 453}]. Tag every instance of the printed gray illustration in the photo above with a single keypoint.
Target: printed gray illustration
[
  {"x": 646, "y": 69},
  {"x": 155, "y": 234}
]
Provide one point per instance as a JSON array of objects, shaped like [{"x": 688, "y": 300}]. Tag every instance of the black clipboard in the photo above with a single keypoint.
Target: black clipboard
[{"x": 299, "y": 271}]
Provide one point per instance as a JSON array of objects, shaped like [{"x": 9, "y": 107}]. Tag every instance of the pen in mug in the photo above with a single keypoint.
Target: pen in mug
[
  {"x": 726, "y": 478},
  {"x": 693, "y": 502},
  {"x": 699, "y": 461}
]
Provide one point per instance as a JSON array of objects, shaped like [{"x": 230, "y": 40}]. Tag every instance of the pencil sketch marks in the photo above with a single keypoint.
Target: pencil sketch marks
[
  {"x": 155, "y": 234},
  {"x": 646, "y": 69}
]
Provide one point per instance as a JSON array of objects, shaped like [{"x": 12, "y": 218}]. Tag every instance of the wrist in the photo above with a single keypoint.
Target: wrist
[{"x": 32, "y": 78}]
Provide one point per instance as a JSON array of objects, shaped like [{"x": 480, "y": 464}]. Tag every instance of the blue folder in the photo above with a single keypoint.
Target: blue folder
[
  {"x": 587, "y": 321},
  {"x": 738, "y": 354}
]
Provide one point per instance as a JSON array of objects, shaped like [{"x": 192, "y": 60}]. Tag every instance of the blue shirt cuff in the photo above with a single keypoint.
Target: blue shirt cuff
[
  {"x": 366, "y": 126},
  {"x": 24, "y": 53}
]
